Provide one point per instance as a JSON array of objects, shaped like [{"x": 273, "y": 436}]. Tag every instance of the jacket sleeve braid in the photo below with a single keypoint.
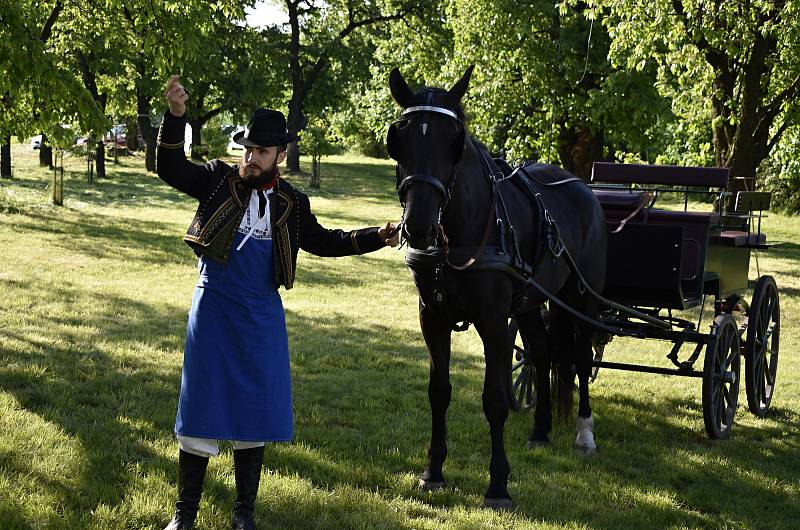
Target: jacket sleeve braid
[{"x": 171, "y": 163}]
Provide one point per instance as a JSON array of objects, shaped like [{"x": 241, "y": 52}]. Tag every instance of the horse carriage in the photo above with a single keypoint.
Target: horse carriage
[
  {"x": 489, "y": 244},
  {"x": 663, "y": 260}
]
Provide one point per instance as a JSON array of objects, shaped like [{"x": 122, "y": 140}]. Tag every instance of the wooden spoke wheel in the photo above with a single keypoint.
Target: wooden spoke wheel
[
  {"x": 523, "y": 372},
  {"x": 761, "y": 345},
  {"x": 721, "y": 377}
]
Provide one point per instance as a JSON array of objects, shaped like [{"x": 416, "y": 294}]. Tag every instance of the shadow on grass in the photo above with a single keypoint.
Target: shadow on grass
[
  {"x": 101, "y": 236},
  {"x": 362, "y": 415},
  {"x": 124, "y": 186},
  {"x": 362, "y": 424},
  {"x": 113, "y": 405}
]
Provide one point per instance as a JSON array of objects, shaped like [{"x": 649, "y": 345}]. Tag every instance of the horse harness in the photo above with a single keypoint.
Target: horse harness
[
  {"x": 486, "y": 257},
  {"x": 506, "y": 256}
]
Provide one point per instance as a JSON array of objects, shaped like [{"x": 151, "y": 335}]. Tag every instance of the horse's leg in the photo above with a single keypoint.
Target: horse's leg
[
  {"x": 561, "y": 347},
  {"x": 496, "y": 392},
  {"x": 584, "y": 422},
  {"x": 532, "y": 327},
  {"x": 437, "y": 336}
]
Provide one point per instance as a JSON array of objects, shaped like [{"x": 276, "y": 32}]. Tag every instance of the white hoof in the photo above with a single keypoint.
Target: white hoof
[{"x": 585, "y": 439}]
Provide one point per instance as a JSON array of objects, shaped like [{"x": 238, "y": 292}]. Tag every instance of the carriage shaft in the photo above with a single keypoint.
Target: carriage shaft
[{"x": 647, "y": 369}]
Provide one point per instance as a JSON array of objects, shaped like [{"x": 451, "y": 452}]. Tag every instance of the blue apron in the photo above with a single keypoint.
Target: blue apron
[{"x": 236, "y": 381}]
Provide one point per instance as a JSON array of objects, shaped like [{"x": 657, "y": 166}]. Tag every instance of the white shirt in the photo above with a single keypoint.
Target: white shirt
[{"x": 252, "y": 225}]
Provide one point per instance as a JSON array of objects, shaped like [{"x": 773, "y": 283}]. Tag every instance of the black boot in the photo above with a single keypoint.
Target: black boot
[
  {"x": 247, "y": 468},
  {"x": 191, "y": 472}
]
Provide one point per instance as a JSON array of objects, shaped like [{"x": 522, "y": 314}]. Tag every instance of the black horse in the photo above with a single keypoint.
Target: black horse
[{"x": 483, "y": 247}]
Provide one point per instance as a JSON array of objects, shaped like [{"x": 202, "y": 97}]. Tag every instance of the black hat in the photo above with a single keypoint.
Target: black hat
[{"x": 267, "y": 127}]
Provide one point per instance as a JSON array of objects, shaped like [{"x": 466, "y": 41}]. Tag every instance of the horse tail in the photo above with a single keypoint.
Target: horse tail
[{"x": 562, "y": 338}]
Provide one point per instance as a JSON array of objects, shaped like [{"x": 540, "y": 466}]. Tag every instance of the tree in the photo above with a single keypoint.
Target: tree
[
  {"x": 321, "y": 34},
  {"x": 235, "y": 70},
  {"x": 421, "y": 44},
  {"x": 544, "y": 89},
  {"x": 171, "y": 39},
  {"x": 38, "y": 92},
  {"x": 731, "y": 66},
  {"x": 63, "y": 62}
]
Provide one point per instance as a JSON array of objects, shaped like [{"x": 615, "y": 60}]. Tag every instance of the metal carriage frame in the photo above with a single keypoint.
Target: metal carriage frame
[{"x": 663, "y": 260}]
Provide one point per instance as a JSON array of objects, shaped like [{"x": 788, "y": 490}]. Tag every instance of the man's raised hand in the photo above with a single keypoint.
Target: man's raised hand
[{"x": 176, "y": 96}]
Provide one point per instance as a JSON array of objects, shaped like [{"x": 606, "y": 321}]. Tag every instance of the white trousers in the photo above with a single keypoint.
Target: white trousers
[{"x": 207, "y": 447}]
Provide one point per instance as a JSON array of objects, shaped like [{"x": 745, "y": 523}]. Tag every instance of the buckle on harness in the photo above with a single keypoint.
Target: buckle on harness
[{"x": 554, "y": 242}]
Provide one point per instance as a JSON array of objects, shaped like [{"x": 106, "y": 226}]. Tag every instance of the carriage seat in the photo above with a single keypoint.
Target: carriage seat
[
  {"x": 681, "y": 217},
  {"x": 626, "y": 201},
  {"x": 737, "y": 238}
]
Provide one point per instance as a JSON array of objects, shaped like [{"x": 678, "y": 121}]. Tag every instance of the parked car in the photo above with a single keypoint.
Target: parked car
[
  {"x": 36, "y": 142},
  {"x": 116, "y": 135}
]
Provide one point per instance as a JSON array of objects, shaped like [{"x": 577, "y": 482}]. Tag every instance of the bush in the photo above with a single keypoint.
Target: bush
[
  {"x": 785, "y": 188},
  {"x": 216, "y": 138},
  {"x": 781, "y": 174}
]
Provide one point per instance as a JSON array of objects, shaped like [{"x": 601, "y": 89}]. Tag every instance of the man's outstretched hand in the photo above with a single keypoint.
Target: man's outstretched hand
[
  {"x": 176, "y": 96},
  {"x": 389, "y": 234}
]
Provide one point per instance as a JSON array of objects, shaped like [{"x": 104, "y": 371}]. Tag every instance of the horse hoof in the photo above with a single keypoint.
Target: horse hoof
[
  {"x": 498, "y": 505},
  {"x": 534, "y": 444},
  {"x": 429, "y": 485},
  {"x": 585, "y": 450}
]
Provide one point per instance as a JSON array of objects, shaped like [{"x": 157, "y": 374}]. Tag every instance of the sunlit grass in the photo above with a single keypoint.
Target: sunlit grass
[{"x": 93, "y": 303}]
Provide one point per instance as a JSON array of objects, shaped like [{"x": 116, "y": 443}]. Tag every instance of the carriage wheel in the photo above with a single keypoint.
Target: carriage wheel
[
  {"x": 721, "y": 377},
  {"x": 523, "y": 372},
  {"x": 761, "y": 345}
]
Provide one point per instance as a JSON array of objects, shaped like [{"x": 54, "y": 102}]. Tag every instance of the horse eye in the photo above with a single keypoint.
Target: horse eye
[{"x": 402, "y": 124}]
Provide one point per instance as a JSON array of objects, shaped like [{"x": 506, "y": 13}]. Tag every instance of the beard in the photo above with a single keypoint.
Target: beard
[{"x": 253, "y": 178}]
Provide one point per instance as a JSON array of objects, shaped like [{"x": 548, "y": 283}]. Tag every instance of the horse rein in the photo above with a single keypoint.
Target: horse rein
[{"x": 490, "y": 221}]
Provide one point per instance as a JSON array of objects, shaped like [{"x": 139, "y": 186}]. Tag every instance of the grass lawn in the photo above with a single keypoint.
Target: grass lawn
[{"x": 93, "y": 305}]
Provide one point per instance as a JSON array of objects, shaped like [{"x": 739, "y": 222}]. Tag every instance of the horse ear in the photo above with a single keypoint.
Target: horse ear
[
  {"x": 460, "y": 88},
  {"x": 401, "y": 93}
]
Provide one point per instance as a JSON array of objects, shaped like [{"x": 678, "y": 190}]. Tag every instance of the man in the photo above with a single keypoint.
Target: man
[{"x": 247, "y": 230}]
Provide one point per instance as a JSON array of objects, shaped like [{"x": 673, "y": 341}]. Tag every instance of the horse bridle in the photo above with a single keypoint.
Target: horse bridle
[{"x": 444, "y": 191}]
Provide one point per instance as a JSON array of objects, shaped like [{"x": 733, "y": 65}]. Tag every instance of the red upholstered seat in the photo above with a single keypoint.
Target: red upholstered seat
[
  {"x": 621, "y": 200},
  {"x": 681, "y": 217},
  {"x": 735, "y": 238}
]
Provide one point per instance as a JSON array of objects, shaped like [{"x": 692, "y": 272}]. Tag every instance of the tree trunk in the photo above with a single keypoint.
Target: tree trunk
[
  {"x": 132, "y": 134},
  {"x": 295, "y": 123},
  {"x": 743, "y": 146},
  {"x": 198, "y": 151},
  {"x": 100, "y": 160},
  {"x": 578, "y": 150},
  {"x": 293, "y": 158},
  {"x": 45, "y": 153},
  {"x": 5, "y": 158},
  {"x": 149, "y": 133}
]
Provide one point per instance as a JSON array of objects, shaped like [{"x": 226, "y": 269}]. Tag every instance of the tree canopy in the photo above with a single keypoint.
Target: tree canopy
[
  {"x": 673, "y": 81},
  {"x": 730, "y": 68}
]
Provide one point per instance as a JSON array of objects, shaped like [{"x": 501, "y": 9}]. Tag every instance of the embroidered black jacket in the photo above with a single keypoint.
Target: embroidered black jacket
[{"x": 224, "y": 198}]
